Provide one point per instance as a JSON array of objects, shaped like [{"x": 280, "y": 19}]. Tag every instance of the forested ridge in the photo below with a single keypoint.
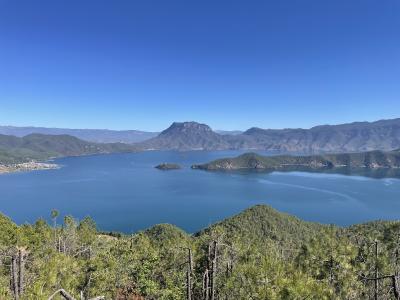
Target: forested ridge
[
  {"x": 42, "y": 147},
  {"x": 257, "y": 254},
  {"x": 367, "y": 160}
]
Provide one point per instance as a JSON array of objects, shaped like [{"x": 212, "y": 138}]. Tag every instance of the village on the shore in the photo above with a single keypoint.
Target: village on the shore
[{"x": 27, "y": 166}]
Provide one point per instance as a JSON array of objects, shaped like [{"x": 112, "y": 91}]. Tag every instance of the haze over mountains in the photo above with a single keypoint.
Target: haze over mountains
[
  {"x": 94, "y": 135},
  {"x": 353, "y": 137},
  {"x": 91, "y": 135},
  {"x": 187, "y": 136}
]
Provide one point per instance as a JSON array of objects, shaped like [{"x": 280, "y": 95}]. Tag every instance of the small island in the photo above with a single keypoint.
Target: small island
[
  {"x": 367, "y": 160},
  {"x": 168, "y": 166}
]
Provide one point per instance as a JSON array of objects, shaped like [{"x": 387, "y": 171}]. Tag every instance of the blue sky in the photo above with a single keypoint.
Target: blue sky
[{"x": 231, "y": 64}]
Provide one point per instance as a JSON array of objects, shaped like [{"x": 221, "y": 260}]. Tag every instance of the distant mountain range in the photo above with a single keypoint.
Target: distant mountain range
[
  {"x": 354, "y": 137},
  {"x": 94, "y": 135},
  {"x": 91, "y": 135},
  {"x": 381, "y": 135}
]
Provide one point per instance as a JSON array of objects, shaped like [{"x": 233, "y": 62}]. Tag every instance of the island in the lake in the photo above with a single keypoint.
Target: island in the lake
[
  {"x": 27, "y": 166},
  {"x": 168, "y": 166},
  {"x": 370, "y": 160}
]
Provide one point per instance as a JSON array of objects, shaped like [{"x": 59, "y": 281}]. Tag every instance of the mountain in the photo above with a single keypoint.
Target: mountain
[
  {"x": 94, "y": 135},
  {"x": 371, "y": 160},
  {"x": 382, "y": 135},
  {"x": 186, "y": 136},
  {"x": 91, "y": 135},
  {"x": 354, "y": 137},
  {"x": 39, "y": 146}
]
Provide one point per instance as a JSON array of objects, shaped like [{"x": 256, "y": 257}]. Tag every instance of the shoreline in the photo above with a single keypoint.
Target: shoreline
[{"x": 27, "y": 167}]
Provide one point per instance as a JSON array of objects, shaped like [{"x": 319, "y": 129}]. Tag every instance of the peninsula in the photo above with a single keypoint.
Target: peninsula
[
  {"x": 30, "y": 152},
  {"x": 371, "y": 160}
]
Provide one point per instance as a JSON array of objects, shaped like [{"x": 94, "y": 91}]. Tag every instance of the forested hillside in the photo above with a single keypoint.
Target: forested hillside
[
  {"x": 258, "y": 254},
  {"x": 39, "y": 146},
  {"x": 367, "y": 160}
]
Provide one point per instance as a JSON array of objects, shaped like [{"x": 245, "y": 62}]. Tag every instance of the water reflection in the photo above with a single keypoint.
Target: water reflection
[
  {"x": 366, "y": 172},
  {"x": 378, "y": 173}
]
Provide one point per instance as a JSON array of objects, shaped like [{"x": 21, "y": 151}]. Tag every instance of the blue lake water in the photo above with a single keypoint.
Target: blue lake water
[{"x": 124, "y": 192}]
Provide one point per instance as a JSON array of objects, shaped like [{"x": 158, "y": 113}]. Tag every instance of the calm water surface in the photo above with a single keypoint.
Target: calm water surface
[{"x": 124, "y": 192}]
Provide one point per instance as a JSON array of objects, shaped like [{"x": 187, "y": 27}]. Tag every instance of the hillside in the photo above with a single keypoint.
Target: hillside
[
  {"x": 90, "y": 135},
  {"x": 39, "y": 147},
  {"x": 369, "y": 160},
  {"x": 261, "y": 223},
  {"x": 258, "y": 254}
]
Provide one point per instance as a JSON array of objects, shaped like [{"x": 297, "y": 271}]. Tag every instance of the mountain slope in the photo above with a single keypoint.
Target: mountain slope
[
  {"x": 39, "y": 146},
  {"x": 370, "y": 160},
  {"x": 187, "y": 136},
  {"x": 262, "y": 223},
  {"x": 354, "y": 137}
]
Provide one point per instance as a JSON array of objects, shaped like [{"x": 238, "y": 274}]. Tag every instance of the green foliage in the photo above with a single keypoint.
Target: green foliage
[
  {"x": 8, "y": 231},
  {"x": 40, "y": 147},
  {"x": 261, "y": 223},
  {"x": 54, "y": 213},
  {"x": 261, "y": 254},
  {"x": 370, "y": 159}
]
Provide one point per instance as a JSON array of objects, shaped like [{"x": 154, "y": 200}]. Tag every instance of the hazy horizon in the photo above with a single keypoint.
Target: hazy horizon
[{"x": 215, "y": 129}]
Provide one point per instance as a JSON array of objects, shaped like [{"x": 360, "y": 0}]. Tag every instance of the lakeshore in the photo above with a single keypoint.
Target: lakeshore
[{"x": 27, "y": 166}]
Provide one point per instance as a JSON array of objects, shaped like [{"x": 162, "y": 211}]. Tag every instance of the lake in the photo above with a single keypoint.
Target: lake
[{"x": 124, "y": 192}]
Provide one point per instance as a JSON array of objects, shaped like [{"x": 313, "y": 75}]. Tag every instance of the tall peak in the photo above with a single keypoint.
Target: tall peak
[{"x": 187, "y": 127}]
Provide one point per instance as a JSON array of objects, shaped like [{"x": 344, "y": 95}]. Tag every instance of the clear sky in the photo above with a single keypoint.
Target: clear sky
[{"x": 231, "y": 64}]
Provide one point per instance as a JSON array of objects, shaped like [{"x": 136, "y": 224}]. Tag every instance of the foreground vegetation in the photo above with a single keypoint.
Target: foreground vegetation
[{"x": 258, "y": 254}]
